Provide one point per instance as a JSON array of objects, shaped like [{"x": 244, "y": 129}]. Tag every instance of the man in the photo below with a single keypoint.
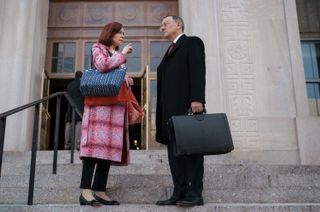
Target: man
[
  {"x": 181, "y": 85},
  {"x": 73, "y": 89}
]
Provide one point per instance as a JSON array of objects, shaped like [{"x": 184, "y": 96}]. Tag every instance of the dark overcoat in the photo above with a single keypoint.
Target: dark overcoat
[
  {"x": 181, "y": 80},
  {"x": 73, "y": 90}
]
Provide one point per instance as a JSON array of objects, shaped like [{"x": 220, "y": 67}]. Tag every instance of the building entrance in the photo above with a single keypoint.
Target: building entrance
[
  {"x": 74, "y": 26},
  {"x": 57, "y": 85}
]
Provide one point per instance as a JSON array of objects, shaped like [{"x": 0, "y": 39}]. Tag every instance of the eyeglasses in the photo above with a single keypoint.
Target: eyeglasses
[
  {"x": 121, "y": 32},
  {"x": 165, "y": 24}
]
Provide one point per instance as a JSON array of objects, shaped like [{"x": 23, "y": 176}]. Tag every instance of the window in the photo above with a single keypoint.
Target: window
[
  {"x": 63, "y": 58},
  {"x": 311, "y": 61},
  {"x": 157, "y": 49},
  {"x": 87, "y": 55},
  {"x": 133, "y": 59}
]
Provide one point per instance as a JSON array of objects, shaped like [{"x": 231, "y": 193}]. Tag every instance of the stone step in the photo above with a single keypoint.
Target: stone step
[
  {"x": 294, "y": 207},
  {"x": 148, "y": 179},
  {"x": 244, "y": 187},
  {"x": 216, "y": 176},
  {"x": 15, "y": 168},
  {"x": 137, "y": 156},
  {"x": 149, "y": 195}
]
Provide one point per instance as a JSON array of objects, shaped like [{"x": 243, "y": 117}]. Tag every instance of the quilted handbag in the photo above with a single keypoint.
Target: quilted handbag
[
  {"x": 96, "y": 83},
  {"x": 200, "y": 134}
]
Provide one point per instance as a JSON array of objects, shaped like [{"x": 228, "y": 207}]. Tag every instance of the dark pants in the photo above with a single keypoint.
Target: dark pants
[
  {"x": 187, "y": 175},
  {"x": 100, "y": 176}
]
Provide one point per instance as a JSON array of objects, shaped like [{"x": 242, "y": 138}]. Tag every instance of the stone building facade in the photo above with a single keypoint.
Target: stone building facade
[{"x": 255, "y": 67}]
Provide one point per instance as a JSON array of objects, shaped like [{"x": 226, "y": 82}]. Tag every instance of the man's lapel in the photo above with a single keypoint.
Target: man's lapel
[{"x": 176, "y": 46}]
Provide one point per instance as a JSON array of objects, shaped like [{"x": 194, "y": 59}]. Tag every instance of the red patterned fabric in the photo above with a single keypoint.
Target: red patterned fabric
[
  {"x": 134, "y": 109},
  {"x": 104, "y": 132}
]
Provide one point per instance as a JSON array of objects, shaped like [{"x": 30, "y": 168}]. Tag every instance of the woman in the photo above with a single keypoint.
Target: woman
[{"x": 104, "y": 133}]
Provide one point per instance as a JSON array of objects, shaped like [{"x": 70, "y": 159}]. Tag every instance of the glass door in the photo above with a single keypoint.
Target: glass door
[
  {"x": 44, "y": 123},
  {"x": 145, "y": 104},
  {"x": 148, "y": 103}
]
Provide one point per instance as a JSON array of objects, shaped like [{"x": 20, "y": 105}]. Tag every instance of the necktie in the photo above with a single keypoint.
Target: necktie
[{"x": 170, "y": 47}]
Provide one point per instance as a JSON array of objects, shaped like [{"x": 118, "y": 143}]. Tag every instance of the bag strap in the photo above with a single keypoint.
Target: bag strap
[{"x": 92, "y": 65}]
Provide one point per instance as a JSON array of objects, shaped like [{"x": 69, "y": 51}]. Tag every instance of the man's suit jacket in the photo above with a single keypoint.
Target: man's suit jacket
[{"x": 181, "y": 80}]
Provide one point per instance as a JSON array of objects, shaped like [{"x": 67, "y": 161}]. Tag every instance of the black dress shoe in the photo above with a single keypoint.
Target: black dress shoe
[
  {"x": 106, "y": 202},
  {"x": 190, "y": 202},
  {"x": 171, "y": 201},
  {"x": 83, "y": 201}
]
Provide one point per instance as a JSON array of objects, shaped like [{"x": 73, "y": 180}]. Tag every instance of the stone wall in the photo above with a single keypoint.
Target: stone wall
[{"x": 254, "y": 73}]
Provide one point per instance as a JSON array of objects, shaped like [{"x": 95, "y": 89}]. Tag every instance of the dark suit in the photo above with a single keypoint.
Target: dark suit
[{"x": 181, "y": 80}]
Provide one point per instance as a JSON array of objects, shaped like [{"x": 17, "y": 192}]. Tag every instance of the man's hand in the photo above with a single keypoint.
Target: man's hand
[{"x": 196, "y": 107}]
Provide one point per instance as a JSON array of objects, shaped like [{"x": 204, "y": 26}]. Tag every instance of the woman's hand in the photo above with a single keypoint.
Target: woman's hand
[
  {"x": 127, "y": 49},
  {"x": 129, "y": 80}
]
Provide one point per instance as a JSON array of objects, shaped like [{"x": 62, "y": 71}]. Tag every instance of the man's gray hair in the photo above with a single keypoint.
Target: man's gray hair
[{"x": 177, "y": 19}]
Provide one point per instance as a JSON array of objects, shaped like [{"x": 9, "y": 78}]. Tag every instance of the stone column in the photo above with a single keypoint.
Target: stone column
[
  {"x": 22, "y": 51},
  {"x": 254, "y": 73},
  {"x": 202, "y": 19}
]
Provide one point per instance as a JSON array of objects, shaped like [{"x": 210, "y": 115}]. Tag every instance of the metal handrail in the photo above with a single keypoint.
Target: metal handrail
[{"x": 3, "y": 118}]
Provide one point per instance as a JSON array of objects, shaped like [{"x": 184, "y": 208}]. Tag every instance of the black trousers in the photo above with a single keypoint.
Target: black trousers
[
  {"x": 100, "y": 176},
  {"x": 187, "y": 174}
]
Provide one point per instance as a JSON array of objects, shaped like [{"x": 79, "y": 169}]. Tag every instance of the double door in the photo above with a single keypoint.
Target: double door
[
  {"x": 73, "y": 27},
  {"x": 65, "y": 57}
]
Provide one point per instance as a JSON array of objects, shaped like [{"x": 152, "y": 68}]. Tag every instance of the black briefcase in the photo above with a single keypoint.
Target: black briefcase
[{"x": 200, "y": 134}]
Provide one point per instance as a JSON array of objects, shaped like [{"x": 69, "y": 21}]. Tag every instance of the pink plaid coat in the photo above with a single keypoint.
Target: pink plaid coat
[{"x": 104, "y": 132}]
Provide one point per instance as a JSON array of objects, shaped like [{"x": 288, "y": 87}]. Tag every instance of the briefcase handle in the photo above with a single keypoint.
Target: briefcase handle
[{"x": 191, "y": 113}]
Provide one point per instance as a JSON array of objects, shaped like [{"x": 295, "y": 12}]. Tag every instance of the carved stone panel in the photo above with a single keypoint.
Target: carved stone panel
[
  {"x": 239, "y": 74},
  {"x": 157, "y": 10},
  {"x": 63, "y": 15},
  {"x": 97, "y": 14},
  {"x": 130, "y": 14}
]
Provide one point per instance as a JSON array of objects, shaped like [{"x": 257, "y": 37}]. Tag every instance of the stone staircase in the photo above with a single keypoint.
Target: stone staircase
[{"x": 229, "y": 184}]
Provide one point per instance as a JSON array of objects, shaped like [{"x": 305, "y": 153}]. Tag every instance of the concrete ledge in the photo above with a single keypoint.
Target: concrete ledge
[
  {"x": 275, "y": 157},
  {"x": 308, "y": 130}
]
